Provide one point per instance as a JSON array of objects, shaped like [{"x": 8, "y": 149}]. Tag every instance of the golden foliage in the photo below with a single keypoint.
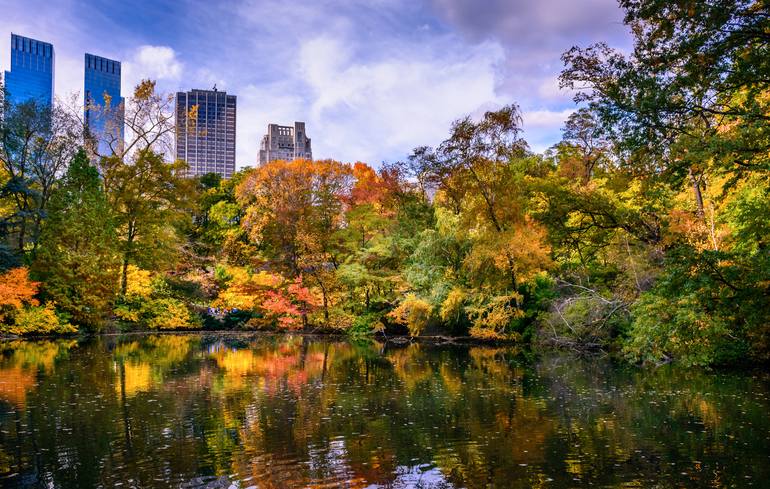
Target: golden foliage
[
  {"x": 139, "y": 282},
  {"x": 414, "y": 313},
  {"x": 39, "y": 320}
]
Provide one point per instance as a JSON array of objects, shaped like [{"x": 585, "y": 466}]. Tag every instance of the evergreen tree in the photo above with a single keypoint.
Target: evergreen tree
[{"x": 77, "y": 260}]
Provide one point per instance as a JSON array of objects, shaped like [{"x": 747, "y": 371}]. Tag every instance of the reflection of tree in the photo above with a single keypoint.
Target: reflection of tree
[
  {"x": 295, "y": 412},
  {"x": 18, "y": 372}
]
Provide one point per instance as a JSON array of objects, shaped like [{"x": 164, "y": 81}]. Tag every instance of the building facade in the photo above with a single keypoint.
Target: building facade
[
  {"x": 32, "y": 72},
  {"x": 103, "y": 104},
  {"x": 285, "y": 143},
  {"x": 205, "y": 131}
]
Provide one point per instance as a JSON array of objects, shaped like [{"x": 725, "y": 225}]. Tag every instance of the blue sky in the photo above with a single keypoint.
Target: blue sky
[{"x": 372, "y": 79}]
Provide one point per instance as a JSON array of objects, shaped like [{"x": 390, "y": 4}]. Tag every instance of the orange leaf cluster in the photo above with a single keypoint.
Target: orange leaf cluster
[{"x": 17, "y": 290}]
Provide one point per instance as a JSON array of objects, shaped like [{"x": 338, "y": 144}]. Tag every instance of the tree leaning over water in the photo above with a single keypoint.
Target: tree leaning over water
[{"x": 688, "y": 112}]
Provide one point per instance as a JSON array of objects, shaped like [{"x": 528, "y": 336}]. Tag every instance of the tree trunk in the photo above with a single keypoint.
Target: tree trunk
[{"x": 697, "y": 193}]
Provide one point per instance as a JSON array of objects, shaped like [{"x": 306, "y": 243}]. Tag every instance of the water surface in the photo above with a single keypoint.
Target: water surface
[{"x": 239, "y": 411}]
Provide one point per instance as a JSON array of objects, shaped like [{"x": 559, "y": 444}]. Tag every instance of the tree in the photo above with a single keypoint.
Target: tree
[
  {"x": 36, "y": 145},
  {"x": 292, "y": 212},
  {"x": 687, "y": 111},
  {"x": 485, "y": 240},
  {"x": 150, "y": 200},
  {"x": 16, "y": 291},
  {"x": 583, "y": 149},
  {"x": 78, "y": 257}
]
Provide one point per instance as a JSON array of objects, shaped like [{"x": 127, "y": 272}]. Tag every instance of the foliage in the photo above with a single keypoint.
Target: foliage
[
  {"x": 643, "y": 231},
  {"x": 414, "y": 313},
  {"x": 16, "y": 292},
  {"x": 148, "y": 303},
  {"x": 37, "y": 143},
  {"x": 77, "y": 261},
  {"x": 38, "y": 320}
]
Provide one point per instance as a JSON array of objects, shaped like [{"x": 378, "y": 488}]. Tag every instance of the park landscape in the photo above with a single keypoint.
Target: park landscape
[{"x": 476, "y": 314}]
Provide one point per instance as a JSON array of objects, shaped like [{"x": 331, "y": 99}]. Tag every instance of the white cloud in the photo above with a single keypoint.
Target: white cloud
[
  {"x": 549, "y": 89},
  {"x": 542, "y": 127},
  {"x": 157, "y": 63},
  {"x": 552, "y": 119},
  {"x": 382, "y": 108}
]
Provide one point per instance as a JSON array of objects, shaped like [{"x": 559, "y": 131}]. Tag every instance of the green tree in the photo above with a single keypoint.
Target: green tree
[
  {"x": 36, "y": 145},
  {"x": 687, "y": 112},
  {"x": 78, "y": 257},
  {"x": 151, "y": 201}
]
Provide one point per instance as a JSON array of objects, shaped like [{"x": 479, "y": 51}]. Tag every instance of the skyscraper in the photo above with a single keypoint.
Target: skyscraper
[
  {"x": 285, "y": 143},
  {"x": 205, "y": 131},
  {"x": 32, "y": 71},
  {"x": 103, "y": 104}
]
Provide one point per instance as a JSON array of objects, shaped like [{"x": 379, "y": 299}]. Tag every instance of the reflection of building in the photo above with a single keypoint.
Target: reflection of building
[
  {"x": 103, "y": 104},
  {"x": 285, "y": 143},
  {"x": 207, "y": 142},
  {"x": 32, "y": 71}
]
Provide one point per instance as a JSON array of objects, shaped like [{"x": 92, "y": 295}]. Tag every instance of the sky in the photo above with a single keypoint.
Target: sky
[{"x": 372, "y": 79}]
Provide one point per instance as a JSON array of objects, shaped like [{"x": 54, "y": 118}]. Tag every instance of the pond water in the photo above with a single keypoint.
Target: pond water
[{"x": 237, "y": 411}]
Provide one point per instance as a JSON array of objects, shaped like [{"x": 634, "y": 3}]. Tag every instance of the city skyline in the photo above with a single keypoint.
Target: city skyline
[{"x": 394, "y": 74}]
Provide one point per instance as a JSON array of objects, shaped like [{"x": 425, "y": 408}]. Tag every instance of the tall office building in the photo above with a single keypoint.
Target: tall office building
[
  {"x": 285, "y": 143},
  {"x": 32, "y": 71},
  {"x": 103, "y": 104},
  {"x": 2, "y": 97},
  {"x": 207, "y": 141}
]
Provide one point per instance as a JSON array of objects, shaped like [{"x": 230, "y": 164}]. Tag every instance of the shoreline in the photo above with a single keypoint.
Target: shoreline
[{"x": 394, "y": 339}]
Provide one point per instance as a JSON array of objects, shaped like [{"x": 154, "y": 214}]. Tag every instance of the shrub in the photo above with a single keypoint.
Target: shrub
[
  {"x": 365, "y": 324},
  {"x": 584, "y": 321},
  {"x": 667, "y": 328},
  {"x": 38, "y": 320},
  {"x": 16, "y": 291},
  {"x": 413, "y": 312},
  {"x": 167, "y": 313}
]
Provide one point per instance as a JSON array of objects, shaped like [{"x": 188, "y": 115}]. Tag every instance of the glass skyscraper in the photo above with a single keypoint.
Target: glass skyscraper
[
  {"x": 103, "y": 104},
  {"x": 206, "y": 143},
  {"x": 32, "y": 71}
]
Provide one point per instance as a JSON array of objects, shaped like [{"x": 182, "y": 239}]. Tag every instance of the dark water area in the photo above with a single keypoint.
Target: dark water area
[{"x": 240, "y": 411}]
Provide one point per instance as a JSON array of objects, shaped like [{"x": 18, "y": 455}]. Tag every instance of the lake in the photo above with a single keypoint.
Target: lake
[{"x": 238, "y": 411}]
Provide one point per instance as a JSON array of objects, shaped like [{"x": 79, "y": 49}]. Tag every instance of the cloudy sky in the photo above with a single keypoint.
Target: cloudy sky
[{"x": 372, "y": 78}]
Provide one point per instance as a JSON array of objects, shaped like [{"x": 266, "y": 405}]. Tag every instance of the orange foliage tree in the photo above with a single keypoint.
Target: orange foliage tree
[
  {"x": 292, "y": 212},
  {"x": 16, "y": 291}
]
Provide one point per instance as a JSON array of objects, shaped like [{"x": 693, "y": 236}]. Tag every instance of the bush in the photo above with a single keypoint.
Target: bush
[
  {"x": 38, "y": 320},
  {"x": 366, "y": 324},
  {"x": 665, "y": 328},
  {"x": 161, "y": 313},
  {"x": 168, "y": 314},
  {"x": 413, "y": 312},
  {"x": 584, "y": 321}
]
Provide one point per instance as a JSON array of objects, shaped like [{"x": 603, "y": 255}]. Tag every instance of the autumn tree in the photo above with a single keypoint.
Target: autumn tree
[
  {"x": 496, "y": 247},
  {"x": 583, "y": 148},
  {"x": 687, "y": 111},
  {"x": 16, "y": 291},
  {"x": 150, "y": 199},
  {"x": 292, "y": 212}
]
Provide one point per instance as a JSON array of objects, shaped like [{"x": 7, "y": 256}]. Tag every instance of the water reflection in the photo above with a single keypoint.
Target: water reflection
[{"x": 257, "y": 411}]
